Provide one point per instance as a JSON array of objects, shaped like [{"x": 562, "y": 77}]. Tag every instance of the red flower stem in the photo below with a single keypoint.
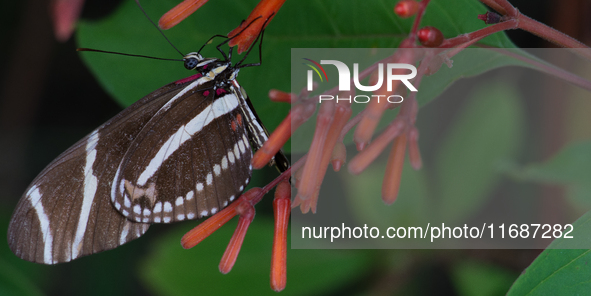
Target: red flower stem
[
  {"x": 283, "y": 177},
  {"x": 551, "y": 34},
  {"x": 423, "y": 66},
  {"x": 548, "y": 69},
  {"x": 525, "y": 23},
  {"x": 256, "y": 198},
  {"x": 509, "y": 9},
  {"x": 502, "y": 26},
  {"x": 495, "y": 6},
  {"x": 350, "y": 124},
  {"x": 415, "y": 26}
]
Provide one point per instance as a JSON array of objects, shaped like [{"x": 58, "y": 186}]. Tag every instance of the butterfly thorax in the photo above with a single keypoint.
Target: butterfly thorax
[{"x": 213, "y": 69}]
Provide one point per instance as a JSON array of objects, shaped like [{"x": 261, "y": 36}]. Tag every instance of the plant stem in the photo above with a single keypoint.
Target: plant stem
[
  {"x": 548, "y": 69},
  {"x": 493, "y": 4},
  {"x": 509, "y": 9},
  {"x": 528, "y": 24},
  {"x": 456, "y": 41},
  {"x": 415, "y": 26}
]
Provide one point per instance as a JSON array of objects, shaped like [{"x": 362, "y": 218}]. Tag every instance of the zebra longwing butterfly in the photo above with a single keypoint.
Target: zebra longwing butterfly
[{"x": 180, "y": 153}]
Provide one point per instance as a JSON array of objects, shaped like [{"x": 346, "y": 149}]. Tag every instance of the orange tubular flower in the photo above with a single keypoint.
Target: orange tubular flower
[
  {"x": 342, "y": 114},
  {"x": 339, "y": 156},
  {"x": 375, "y": 109},
  {"x": 280, "y": 96},
  {"x": 372, "y": 114},
  {"x": 276, "y": 140},
  {"x": 362, "y": 160},
  {"x": 414, "y": 154},
  {"x": 179, "y": 13},
  {"x": 296, "y": 117},
  {"x": 391, "y": 183},
  {"x": 213, "y": 223},
  {"x": 311, "y": 171},
  {"x": 264, "y": 11},
  {"x": 246, "y": 211},
  {"x": 282, "y": 210},
  {"x": 406, "y": 8}
]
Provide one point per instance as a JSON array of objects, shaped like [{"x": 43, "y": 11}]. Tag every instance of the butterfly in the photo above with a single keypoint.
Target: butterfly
[{"x": 180, "y": 153}]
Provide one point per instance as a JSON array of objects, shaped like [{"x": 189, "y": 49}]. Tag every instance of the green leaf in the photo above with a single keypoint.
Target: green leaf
[
  {"x": 470, "y": 62},
  {"x": 571, "y": 166},
  {"x": 473, "y": 278},
  {"x": 13, "y": 282},
  {"x": 560, "y": 271},
  {"x": 473, "y": 147},
  {"x": 313, "y": 24},
  {"x": 171, "y": 270}
]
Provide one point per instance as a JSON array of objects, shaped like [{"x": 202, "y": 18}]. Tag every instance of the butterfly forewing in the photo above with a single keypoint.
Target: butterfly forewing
[
  {"x": 190, "y": 160},
  {"x": 67, "y": 212}
]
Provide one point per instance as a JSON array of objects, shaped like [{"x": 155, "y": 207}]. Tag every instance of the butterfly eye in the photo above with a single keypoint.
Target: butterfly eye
[{"x": 191, "y": 63}]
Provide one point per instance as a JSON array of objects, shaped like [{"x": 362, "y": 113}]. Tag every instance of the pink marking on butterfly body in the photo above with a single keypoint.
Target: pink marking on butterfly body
[
  {"x": 220, "y": 91},
  {"x": 188, "y": 79}
]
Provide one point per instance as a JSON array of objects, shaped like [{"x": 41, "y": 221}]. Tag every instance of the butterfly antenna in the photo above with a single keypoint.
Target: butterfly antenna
[
  {"x": 210, "y": 40},
  {"x": 128, "y": 54},
  {"x": 157, "y": 28}
]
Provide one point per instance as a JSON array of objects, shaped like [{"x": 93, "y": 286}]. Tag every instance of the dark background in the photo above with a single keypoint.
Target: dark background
[{"x": 48, "y": 100}]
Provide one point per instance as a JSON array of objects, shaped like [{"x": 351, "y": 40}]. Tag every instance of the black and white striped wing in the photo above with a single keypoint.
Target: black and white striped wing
[
  {"x": 66, "y": 212},
  {"x": 189, "y": 161}
]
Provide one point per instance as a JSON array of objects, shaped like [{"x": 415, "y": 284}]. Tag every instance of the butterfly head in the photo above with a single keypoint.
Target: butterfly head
[{"x": 195, "y": 61}]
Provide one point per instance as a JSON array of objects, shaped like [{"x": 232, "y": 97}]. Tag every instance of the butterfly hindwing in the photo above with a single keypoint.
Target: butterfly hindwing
[{"x": 189, "y": 161}]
